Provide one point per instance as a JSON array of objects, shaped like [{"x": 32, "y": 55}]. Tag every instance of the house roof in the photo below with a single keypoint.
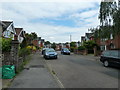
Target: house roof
[
  {"x": 42, "y": 40},
  {"x": 82, "y": 38},
  {"x": 18, "y": 30},
  {"x": 88, "y": 35},
  {"x": 2, "y": 25},
  {"x": 5, "y": 24},
  {"x": 39, "y": 38}
]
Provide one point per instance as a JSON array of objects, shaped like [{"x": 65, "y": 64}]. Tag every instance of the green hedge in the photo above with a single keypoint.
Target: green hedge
[
  {"x": 81, "y": 48},
  {"x": 24, "y": 52},
  {"x": 6, "y": 44}
]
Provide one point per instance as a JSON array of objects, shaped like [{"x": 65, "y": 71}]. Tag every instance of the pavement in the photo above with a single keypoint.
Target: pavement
[{"x": 35, "y": 75}]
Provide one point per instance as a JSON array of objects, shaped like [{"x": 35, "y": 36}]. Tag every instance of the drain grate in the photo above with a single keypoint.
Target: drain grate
[{"x": 37, "y": 66}]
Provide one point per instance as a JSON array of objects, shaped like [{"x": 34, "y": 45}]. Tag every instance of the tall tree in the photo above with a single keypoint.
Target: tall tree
[
  {"x": 30, "y": 37},
  {"x": 47, "y": 43},
  {"x": 116, "y": 20},
  {"x": 107, "y": 10},
  {"x": 33, "y": 35},
  {"x": 106, "y": 15}
]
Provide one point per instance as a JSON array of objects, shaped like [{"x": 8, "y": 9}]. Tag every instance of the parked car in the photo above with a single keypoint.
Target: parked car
[
  {"x": 65, "y": 51},
  {"x": 110, "y": 58},
  {"x": 43, "y": 50},
  {"x": 50, "y": 53}
]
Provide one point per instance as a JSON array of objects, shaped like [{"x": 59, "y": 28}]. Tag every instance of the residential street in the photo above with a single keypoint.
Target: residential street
[
  {"x": 78, "y": 71},
  {"x": 72, "y": 71},
  {"x": 36, "y": 35}
]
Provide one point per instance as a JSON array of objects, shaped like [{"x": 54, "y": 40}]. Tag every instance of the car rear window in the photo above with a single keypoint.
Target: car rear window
[
  {"x": 111, "y": 53},
  {"x": 115, "y": 54}
]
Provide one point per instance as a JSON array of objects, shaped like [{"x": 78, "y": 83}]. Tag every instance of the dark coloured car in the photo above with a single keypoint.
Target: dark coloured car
[
  {"x": 65, "y": 51},
  {"x": 110, "y": 58},
  {"x": 50, "y": 53}
]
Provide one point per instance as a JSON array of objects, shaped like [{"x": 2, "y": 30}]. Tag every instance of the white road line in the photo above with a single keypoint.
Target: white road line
[{"x": 54, "y": 75}]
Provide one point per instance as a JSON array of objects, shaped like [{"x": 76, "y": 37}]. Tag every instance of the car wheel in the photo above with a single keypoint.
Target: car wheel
[
  {"x": 106, "y": 63},
  {"x": 44, "y": 56},
  {"x": 56, "y": 58}
]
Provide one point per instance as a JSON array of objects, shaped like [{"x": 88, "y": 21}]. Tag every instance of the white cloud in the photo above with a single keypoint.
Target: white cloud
[
  {"x": 49, "y": 1},
  {"x": 85, "y": 14},
  {"x": 23, "y": 13},
  {"x": 41, "y": 10},
  {"x": 55, "y": 33}
]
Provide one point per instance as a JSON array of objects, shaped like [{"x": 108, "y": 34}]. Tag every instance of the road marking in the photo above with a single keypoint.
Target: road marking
[{"x": 54, "y": 75}]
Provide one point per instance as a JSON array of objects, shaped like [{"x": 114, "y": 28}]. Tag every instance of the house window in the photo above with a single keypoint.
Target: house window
[
  {"x": 102, "y": 47},
  {"x": 111, "y": 36},
  {"x": 112, "y": 46}
]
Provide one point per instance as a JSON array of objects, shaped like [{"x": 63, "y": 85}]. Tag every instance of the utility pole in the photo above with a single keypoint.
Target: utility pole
[{"x": 70, "y": 38}]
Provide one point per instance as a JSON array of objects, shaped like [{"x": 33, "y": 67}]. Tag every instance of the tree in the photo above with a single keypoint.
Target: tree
[
  {"x": 53, "y": 45},
  {"x": 30, "y": 37},
  {"x": 6, "y": 44},
  {"x": 109, "y": 17},
  {"x": 73, "y": 44},
  {"x": 107, "y": 10},
  {"x": 116, "y": 20},
  {"x": 47, "y": 43},
  {"x": 89, "y": 44},
  {"x": 24, "y": 43},
  {"x": 33, "y": 35}
]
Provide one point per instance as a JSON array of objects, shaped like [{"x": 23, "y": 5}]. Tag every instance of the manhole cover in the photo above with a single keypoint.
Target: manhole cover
[{"x": 37, "y": 66}]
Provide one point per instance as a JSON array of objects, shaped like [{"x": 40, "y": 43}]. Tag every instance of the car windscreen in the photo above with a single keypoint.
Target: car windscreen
[
  {"x": 65, "y": 49},
  {"x": 50, "y": 50}
]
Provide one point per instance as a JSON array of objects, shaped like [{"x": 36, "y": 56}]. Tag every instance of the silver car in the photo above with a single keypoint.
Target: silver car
[{"x": 50, "y": 53}]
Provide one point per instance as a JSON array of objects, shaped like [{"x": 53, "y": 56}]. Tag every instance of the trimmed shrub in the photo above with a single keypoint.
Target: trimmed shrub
[
  {"x": 24, "y": 51},
  {"x": 34, "y": 48},
  {"x": 29, "y": 47},
  {"x": 72, "y": 49},
  {"x": 81, "y": 48},
  {"x": 6, "y": 44}
]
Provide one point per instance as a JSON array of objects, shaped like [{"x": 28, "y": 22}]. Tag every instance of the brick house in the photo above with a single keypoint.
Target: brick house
[
  {"x": 107, "y": 44},
  {"x": 37, "y": 42},
  {"x": 42, "y": 43}
]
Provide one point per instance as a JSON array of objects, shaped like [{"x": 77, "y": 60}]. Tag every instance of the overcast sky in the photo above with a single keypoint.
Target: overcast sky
[{"x": 53, "y": 21}]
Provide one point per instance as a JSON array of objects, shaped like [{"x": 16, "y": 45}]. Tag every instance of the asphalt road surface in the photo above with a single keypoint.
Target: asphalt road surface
[{"x": 78, "y": 71}]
